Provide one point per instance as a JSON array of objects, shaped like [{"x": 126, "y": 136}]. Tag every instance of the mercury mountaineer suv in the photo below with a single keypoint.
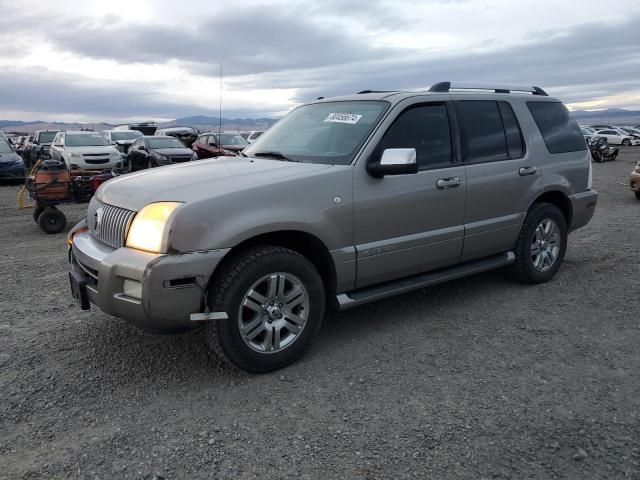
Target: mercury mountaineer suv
[{"x": 344, "y": 201}]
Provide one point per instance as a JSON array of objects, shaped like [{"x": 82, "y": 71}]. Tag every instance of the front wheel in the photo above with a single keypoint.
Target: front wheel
[
  {"x": 626, "y": 142},
  {"x": 541, "y": 244},
  {"x": 274, "y": 299}
]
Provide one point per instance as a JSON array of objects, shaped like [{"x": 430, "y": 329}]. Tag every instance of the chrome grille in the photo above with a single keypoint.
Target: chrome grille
[{"x": 107, "y": 223}]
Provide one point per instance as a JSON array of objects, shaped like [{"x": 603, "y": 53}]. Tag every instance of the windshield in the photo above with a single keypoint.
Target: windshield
[
  {"x": 162, "y": 142},
  {"x": 46, "y": 137},
  {"x": 85, "y": 140},
  {"x": 125, "y": 135},
  {"x": 329, "y": 133},
  {"x": 5, "y": 147},
  {"x": 232, "y": 139}
]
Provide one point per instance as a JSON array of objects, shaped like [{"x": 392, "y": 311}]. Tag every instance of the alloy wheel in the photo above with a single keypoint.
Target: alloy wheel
[
  {"x": 273, "y": 312},
  {"x": 545, "y": 245}
]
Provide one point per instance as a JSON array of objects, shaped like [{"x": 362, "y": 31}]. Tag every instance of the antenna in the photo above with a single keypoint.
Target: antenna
[{"x": 220, "y": 107}]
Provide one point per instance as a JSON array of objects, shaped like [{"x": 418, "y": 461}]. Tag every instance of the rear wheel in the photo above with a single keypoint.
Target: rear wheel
[
  {"x": 637, "y": 195},
  {"x": 52, "y": 220},
  {"x": 541, "y": 244},
  {"x": 274, "y": 298}
]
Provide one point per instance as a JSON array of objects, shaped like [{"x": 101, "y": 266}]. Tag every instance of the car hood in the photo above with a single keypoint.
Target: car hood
[
  {"x": 195, "y": 181},
  {"x": 9, "y": 157},
  {"x": 99, "y": 149},
  {"x": 173, "y": 152}
]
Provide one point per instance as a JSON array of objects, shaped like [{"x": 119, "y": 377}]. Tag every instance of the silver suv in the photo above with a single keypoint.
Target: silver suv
[{"x": 344, "y": 201}]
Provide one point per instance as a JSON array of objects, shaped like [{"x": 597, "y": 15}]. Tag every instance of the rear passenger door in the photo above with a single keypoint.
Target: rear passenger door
[{"x": 502, "y": 177}]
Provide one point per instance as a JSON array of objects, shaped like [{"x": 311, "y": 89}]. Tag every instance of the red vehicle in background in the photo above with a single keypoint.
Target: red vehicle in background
[{"x": 209, "y": 145}]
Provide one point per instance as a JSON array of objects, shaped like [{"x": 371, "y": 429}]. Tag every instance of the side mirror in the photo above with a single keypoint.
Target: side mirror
[
  {"x": 394, "y": 161},
  {"x": 143, "y": 148}
]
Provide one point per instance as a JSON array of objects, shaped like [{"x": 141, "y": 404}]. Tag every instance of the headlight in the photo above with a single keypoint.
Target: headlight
[
  {"x": 147, "y": 231},
  {"x": 160, "y": 157},
  {"x": 76, "y": 156}
]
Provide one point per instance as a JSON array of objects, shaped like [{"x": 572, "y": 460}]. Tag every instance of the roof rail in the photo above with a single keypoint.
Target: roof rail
[
  {"x": 448, "y": 86},
  {"x": 375, "y": 91}
]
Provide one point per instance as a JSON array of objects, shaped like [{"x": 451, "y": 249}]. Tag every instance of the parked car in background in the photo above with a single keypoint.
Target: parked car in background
[
  {"x": 634, "y": 180},
  {"x": 618, "y": 137},
  {"x": 156, "y": 151},
  {"x": 345, "y": 201},
  {"x": 146, "y": 128},
  {"x": 601, "y": 127},
  {"x": 21, "y": 145},
  {"x": 122, "y": 139},
  {"x": 186, "y": 135},
  {"x": 634, "y": 132},
  {"x": 211, "y": 145},
  {"x": 11, "y": 164},
  {"x": 587, "y": 133},
  {"x": 84, "y": 150},
  {"x": 253, "y": 136},
  {"x": 39, "y": 147}
]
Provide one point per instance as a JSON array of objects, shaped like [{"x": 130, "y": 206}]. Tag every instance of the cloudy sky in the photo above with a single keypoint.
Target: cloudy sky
[{"x": 108, "y": 60}]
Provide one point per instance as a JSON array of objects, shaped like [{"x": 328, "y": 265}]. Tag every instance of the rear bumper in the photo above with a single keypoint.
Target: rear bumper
[
  {"x": 634, "y": 181},
  {"x": 172, "y": 285},
  {"x": 583, "y": 207}
]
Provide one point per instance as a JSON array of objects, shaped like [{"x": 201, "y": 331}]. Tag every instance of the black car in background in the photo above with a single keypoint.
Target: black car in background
[
  {"x": 149, "y": 152},
  {"x": 39, "y": 147},
  {"x": 11, "y": 164}
]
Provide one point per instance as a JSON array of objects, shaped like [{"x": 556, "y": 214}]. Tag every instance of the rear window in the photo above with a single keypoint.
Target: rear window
[{"x": 560, "y": 132}]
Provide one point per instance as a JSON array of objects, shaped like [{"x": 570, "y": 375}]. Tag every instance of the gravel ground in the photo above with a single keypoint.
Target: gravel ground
[{"x": 479, "y": 378}]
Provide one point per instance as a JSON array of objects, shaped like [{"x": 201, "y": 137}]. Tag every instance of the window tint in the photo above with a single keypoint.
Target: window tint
[
  {"x": 513, "y": 134},
  {"x": 425, "y": 128},
  {"x": 560, "y": 132},
  {"x": 483, "y": 137}
]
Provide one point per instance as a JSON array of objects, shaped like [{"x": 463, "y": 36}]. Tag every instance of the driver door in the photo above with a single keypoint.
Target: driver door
[{"x": 409, "y": 224}]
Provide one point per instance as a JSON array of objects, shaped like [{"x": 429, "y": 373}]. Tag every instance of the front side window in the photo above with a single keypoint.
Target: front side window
[
  {"x": 85, "y": 140},
  {"x": 5, "y": 147},
  {"x": 425, "y": 128},
  {"x": 327, "y": 133},
  {"x": 560, "y": 132}
]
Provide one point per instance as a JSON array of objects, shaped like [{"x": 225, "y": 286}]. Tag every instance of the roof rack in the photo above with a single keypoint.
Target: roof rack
[{"x": 448, "y": 86}]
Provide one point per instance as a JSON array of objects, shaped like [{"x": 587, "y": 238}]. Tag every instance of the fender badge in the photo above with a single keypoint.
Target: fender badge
[{"x": 337, "y": 199}]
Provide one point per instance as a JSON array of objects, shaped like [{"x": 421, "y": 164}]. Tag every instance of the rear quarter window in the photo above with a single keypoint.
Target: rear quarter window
[{"x": 560, "y": 132}]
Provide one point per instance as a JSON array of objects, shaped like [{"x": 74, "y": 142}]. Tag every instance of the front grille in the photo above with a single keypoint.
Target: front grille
[
  {"x": 179, "y": 159},
  {"x": 95, "y": 155},
  {"x": 93, "y": 161},
  {"x": 107, "y": 223}
]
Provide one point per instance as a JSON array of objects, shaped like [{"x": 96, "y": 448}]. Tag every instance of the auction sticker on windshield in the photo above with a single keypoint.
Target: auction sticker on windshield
[{"x": 351, "y": 118}]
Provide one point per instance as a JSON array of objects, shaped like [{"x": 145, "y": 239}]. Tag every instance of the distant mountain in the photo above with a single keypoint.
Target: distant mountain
[
  {"x": 614, "y": 116},
  {"x": 199, "y": 122}
]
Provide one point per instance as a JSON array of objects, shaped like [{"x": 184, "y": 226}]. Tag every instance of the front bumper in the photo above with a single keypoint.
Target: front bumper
[
  {"x": 172, "y": 285},
  {"x": 583, "y": 207},
  {"x": 18, "y": 172}
]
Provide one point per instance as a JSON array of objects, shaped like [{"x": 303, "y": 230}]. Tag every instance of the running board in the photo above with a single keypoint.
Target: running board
[{"x": 415, "y": 282}]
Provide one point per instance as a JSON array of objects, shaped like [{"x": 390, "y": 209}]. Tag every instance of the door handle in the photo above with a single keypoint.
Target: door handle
[
  {"x": 524, "y": 171},
  {"x": 451, "y": 182}
]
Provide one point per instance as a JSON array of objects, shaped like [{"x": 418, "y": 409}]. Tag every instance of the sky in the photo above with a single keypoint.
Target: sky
[{"x": 113, "y": 60}]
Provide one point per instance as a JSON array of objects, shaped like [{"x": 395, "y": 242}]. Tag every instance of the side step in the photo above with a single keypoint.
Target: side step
[{"x": 415, "y": 282}]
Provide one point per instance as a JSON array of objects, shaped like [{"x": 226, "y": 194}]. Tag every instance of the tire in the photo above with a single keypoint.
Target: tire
[
  {"x": 626, "y": 142},
  {"x": 52, "y": 221},
  {"x": 37, "y": 211},
  {"x": 637, "y": 195},
  {"x": 542, "y": 268},
  {"x": 246, "y": 273},
  {"x": 149, "y": 164},
  {"x": 130, "y": 166}
]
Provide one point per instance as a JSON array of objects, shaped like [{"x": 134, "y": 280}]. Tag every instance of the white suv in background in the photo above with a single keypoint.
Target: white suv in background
[
  {"x": 615, "y": 136},
  {"x": 85, "y": 150}
]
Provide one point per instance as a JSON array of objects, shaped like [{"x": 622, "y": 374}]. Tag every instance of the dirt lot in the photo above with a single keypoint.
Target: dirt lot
[{"x": 480, "y": 378}]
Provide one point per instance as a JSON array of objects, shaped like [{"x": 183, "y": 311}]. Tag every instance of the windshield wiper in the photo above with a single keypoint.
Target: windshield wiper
[{"x": 276, "y": 155}]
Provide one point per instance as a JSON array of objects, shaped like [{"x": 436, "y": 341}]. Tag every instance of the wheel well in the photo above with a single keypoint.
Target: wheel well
[
  {"x": 304, "y": 243},
  {"x": 561, "y": 201}
]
